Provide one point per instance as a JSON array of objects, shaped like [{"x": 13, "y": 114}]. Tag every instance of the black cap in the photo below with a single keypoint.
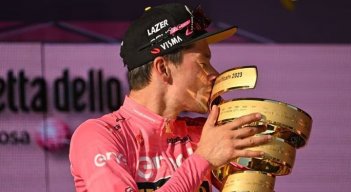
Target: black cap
[{"x": 165, "y": 28}]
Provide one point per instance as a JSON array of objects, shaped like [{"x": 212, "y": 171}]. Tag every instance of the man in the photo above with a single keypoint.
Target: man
[{"x": 145, "y": 146}]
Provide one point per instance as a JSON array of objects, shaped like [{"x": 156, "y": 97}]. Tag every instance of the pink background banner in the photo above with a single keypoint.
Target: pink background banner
[{"x": 49, "y": 89}]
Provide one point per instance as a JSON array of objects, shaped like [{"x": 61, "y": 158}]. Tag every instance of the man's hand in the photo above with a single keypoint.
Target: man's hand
[{"x": 221, "y": 144}]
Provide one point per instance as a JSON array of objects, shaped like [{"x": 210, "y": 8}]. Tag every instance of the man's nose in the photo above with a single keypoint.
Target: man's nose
[{"x": 213, "y": 74}]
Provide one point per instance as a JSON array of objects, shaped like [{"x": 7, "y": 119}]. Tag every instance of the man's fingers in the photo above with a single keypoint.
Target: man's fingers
[
  {"x": 248, "y": 131},
  {"x": 246, "y": 119},
  {"x": 249, "y": 153},
  {"x": 252, "y": 141},
  {"x": 212, "y": 117},
  {"x": 243, "y": 120}
]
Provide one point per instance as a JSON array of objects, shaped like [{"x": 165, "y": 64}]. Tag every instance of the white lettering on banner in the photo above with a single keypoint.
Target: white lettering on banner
[
  {"x": 148, "y": 166},
  {"x": 100, "y": 160},
  {"x": 170, "y": 43},
  {"x": 157, "y": 27}
]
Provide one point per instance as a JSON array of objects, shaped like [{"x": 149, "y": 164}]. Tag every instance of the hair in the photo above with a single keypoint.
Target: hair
[{"x": 140, "y": 77}]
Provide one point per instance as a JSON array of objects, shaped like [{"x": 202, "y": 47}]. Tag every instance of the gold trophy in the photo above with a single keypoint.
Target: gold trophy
[{"x": 289, "y": 126}]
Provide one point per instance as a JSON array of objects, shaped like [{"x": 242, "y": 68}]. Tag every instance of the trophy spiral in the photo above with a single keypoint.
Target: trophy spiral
[{"x": 289, "y": 126}]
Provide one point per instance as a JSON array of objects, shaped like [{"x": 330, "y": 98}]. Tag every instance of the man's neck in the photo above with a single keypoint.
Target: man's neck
[{"x": 157, "y": 101}]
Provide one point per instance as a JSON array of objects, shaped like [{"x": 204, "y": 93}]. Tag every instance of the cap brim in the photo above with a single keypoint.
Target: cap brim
[
  {"x": 221, "y": 35},
  {"x": 217, "y": 36}
]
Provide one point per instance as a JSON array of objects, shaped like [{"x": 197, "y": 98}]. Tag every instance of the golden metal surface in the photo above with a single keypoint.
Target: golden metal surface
[
  {"x": 235, "y": 78},
  {"x": 279, "y": 158},
  {"x": 289, "y": 126},
  {"x": 226, "y": 170},
  {"x": 249, "y": 181},
  {"x": 282, "y": 120}
]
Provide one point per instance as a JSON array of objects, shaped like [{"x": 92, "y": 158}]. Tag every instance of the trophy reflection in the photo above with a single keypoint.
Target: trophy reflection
[{"x": 289, "y": 126}]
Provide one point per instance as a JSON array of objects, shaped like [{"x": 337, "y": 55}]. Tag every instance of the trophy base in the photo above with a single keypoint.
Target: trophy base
[{"x": 249, "y": 181}]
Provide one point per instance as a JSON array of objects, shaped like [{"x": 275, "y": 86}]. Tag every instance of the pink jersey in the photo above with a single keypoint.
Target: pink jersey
[{"x": 134, "y": 149}]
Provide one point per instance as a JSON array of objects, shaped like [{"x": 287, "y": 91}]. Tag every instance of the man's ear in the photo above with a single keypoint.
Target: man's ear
[{"x": 161, "y": 66}]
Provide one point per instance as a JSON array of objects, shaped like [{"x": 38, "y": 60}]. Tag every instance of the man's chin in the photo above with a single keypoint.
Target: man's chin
[
  {"x": 198, "y": 106},
  {"x": 203, "y": 111},
  {"x": 198, "y": 111}
]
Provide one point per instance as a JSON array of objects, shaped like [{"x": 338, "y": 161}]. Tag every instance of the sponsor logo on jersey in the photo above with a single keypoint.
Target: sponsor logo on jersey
[{"x": 100, "y": 160}]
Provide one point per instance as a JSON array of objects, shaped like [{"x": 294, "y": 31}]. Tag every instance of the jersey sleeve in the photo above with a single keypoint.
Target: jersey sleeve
[{"x": 99, "y": 159}]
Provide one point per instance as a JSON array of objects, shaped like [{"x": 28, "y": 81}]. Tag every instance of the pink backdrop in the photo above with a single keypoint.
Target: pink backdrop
[{"x": 315, "y": 78}]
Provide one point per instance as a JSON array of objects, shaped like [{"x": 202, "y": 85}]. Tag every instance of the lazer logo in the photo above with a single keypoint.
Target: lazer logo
[
  {"x": 101, "y": 160},
  {"x": 157, "y": 27}
]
